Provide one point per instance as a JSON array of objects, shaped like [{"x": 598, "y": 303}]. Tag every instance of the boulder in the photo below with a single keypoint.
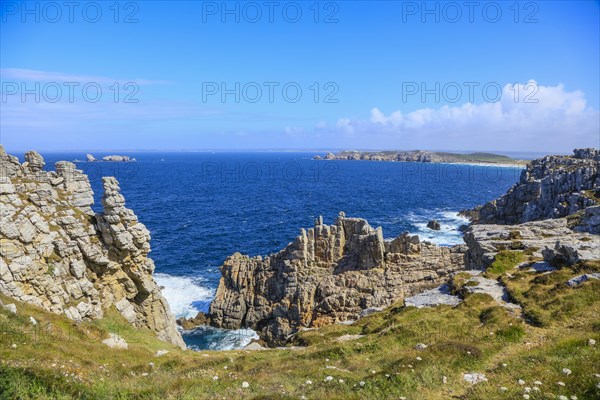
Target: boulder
[{"x": 434, "y": 225}]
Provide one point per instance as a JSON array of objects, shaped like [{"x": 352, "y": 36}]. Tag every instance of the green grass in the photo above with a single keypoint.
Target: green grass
[
  {"x": 505, "y": 260},
  {"x": 63, "y": 360}
]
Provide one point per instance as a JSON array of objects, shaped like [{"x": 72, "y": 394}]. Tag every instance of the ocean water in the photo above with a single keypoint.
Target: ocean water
[{"x": 201, "y": 207}]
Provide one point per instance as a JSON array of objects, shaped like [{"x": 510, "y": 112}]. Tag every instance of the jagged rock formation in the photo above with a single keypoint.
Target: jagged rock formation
[
  {"x": 550, "y": 187},
  {"x": 57, "y": 254},
  {"x": 330, "y": 273}
]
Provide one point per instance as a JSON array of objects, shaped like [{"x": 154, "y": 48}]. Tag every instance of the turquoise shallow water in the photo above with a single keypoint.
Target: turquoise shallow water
[{"x": 202, "y": 207}]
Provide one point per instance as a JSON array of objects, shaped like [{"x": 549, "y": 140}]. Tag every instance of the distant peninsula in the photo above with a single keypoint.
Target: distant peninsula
[{"x": 423, "y": 156}]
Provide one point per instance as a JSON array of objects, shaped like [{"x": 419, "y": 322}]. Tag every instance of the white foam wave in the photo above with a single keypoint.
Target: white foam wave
[
  {"x": 210, "y": 338},
  {"x": 449, "y": 223},
  {"x": 181, "y": 292}
]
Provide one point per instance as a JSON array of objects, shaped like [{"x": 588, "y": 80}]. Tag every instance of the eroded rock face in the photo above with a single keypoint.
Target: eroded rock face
[
  {"x": 329, "y": 274},
  {"x": 550, "y": 187},
  {"x": 56, "y": 253}
]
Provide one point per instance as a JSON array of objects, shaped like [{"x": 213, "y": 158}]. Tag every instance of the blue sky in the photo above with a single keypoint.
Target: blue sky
[{"x": 369, "y": 60}]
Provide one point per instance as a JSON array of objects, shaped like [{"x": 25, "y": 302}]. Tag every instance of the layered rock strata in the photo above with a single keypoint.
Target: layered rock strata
[{"x": 58, "y": 254}]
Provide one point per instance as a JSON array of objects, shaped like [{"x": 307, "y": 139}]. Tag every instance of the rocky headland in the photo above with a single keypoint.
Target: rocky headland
[
  {"x": 58, "y": 254},
  {"x": 338, "y": 273},
  {"x": 549, "y": 187},
  {"x": 330, "y": 273},
  {"x": 423, "y": 156}
]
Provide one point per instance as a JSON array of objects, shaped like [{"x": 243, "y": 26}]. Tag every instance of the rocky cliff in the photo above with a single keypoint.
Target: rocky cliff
[
  {"x": 330, "y": 273},
  {"x": 549, "y": 187},
  {"x": 56, "y": 253}
]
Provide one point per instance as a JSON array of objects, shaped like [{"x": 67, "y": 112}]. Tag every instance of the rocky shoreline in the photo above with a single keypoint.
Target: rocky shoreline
[
  {"x": 337, "y": 273},
  {"x": 58, "y": 254}
]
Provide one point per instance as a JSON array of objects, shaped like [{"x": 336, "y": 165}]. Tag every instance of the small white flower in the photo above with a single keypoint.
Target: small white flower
[
  {"x": 341, "y": 381},
  {"x": 591, "y": 342},
  {"x": 215, "y": 378},
  {"x": 308, "y": 382},
  {"x": 537, "y": 383},
  {"x": 419, "y": 359},
  {"x": 573, "y": 397},
  {"x": 504, "y": 365},
  {"x": 561, "y": 397},
  {"x": 329, "y": 378},
  {"x": 245, "y": 384},
  {"x": 536, "y": 389},
  {"x": 527, "y": 390},
  {"x": 225, "y": 367},
  {"x": 526, "y": 396},
  {"x": 373, "y": 371},
  {"x": 521, "y": 382},
  {"x": 503, "y": 389},
  {"x": 560, "y": 383},
  {"x": 566, "y": 371},
  {"x": 327, "y": 360},
  {"x": 361, "y": 383}
]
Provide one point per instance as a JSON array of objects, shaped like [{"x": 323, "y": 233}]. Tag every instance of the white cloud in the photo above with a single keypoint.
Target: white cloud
[{"x": 527, "y": 117}]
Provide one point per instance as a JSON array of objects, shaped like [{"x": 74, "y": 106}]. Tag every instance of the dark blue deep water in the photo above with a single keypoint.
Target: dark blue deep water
[{"x": 201, "y": 207}]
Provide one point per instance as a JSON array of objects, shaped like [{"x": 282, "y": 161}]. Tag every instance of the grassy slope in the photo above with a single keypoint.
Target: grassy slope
[{"x": 476, "y": 336}]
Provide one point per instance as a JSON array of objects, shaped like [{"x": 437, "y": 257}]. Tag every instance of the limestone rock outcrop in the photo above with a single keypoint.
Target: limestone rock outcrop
[
  {"x": 550, "y": 187},
  {"x": 551, "y": 240},
  {"x": 330, "y": 273},
  {"x": 58, "y": 254}
]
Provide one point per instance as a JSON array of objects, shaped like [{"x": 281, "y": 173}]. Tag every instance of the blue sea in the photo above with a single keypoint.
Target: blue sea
[{"x": 201, "y": 207}]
